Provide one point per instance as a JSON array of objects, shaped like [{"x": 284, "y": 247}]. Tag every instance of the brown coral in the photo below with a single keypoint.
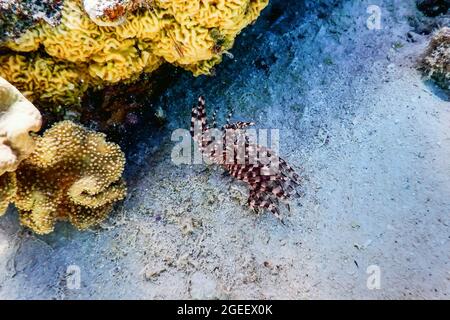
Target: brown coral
[
  {"x": 18, "y": 117},
  {"x": 436, "y": 63},
  {"x": 74, "y": 174}
]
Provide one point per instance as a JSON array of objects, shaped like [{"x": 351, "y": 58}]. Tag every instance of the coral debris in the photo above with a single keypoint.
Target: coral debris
[{"x": 244, "y": 160}]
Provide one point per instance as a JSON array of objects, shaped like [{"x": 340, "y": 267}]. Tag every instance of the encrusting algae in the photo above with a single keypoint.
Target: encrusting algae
[
  {"x": 59, "y": 63},
  {"x": 73, "y": 174}
]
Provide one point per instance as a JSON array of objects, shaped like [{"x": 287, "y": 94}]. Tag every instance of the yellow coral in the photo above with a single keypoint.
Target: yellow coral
[
  {"x": 8, "y": 188},
  {"x": 121, "y": 60},
  {"x": 28, "y": 42},
  {"x": 143, "y": 25},
  {"x": 73, "y": 174},
  {"x": 76, "y": 38},
  {"x": 43, "y": 78},
  {"x": 192, "y": 34}
]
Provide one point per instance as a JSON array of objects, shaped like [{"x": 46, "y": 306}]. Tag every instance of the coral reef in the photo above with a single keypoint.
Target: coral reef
[
  {"x": 42, "y": 78},
  {"x": 18, "y": 117},
  {"x": 110, "y": 12},
  {"x": 73, "y": 174},
  {"x": 232, "y": 149},
  {"x": 80, "y": 54},
  {"x": 436, "y": 62},
  {"x": 16, "y": 16}
]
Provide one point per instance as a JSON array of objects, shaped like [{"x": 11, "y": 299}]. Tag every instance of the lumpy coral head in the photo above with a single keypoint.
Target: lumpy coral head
[
  {"x": 18, "y": 117},
  {"x": 42, "y": 78},
  {"x": 436, "y": 63},
  {"x": 74, "y": 175},
  {"x": 78, "y": 53},
  {"x": 107, "y": 13}
]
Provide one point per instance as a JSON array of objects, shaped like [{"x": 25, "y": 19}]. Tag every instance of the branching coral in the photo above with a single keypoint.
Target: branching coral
[
  {"x": 18, "y": 117},
  {"x": 436, "y": 63},
  {"x": 192, "y": 34},
  {"x": 73, "y": 174}
]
